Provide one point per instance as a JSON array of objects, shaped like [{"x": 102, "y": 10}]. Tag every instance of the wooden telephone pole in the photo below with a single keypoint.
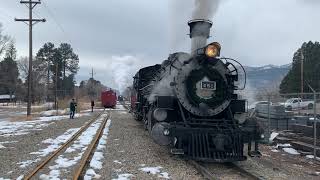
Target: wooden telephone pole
[
  {"x": 30, "y": 22},
  {"x": 301, "y": 67}
]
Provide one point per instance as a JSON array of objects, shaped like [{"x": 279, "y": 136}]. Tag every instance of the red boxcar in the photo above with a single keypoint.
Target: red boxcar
[{"x": 108, "y": 99}]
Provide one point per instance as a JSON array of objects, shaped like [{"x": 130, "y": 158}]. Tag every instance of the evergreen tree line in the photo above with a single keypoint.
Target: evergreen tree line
[
  {"x": 54, "y": 68},
  {"x": 291, "y": 83}
]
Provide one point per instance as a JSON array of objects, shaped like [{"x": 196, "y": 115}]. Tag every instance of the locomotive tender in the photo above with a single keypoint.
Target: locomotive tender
[{"x": 189, "y": 101}]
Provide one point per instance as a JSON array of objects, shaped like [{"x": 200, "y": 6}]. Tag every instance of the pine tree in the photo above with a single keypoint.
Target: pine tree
[
  {"x": 9, "y": 72},
  {"x": 292, "y": 81}
]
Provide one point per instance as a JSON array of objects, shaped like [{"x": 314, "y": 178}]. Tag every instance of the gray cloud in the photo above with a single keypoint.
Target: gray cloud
[{"x": 254, "y": 32}]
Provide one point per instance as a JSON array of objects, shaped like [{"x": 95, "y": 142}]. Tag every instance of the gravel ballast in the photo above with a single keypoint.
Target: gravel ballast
[
  {"x": 131, "y": 153},
  {"x": 21, "y": 154}
]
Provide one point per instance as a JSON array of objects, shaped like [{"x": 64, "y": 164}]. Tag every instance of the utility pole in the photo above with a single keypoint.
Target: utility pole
[
  {"x": 56, "y": 91},
  {"x": 92, "y": 73},
  {"x": 30, "y": 22},
  {"x": 314, "y": 122},
  {"x": 302, "y": 59}
]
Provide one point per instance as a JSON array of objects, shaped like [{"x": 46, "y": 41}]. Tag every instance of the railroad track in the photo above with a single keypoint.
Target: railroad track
[
  {"x": 124, "y": 105},
  {"x": 220, "y": 171},
  {"x": 86, "y": 157}
]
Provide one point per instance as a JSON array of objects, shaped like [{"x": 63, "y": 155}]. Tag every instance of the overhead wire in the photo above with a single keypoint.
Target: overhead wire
[{"x": 51, "y": 14}]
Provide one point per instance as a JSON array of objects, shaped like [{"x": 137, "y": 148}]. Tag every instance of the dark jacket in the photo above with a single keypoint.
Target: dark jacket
[{"x": 73, "y": 106}]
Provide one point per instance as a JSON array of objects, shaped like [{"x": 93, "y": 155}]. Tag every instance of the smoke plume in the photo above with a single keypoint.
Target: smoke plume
[
  {"x": 123, "y": 69},
  {"x": 181, "y": 11},
  {"x": 205, "y": 9}
]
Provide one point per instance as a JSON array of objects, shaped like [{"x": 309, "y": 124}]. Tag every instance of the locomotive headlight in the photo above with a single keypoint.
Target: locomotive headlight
[
  {"x": 160, "y": 114},
  {"x": 213, "y": 50}
]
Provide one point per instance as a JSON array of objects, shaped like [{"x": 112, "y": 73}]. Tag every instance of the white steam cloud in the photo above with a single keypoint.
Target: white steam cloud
[
  {"x": 123, "y": 69},
  {"x": 181, "y": 12},
  {"x": 205, "y": 9}
]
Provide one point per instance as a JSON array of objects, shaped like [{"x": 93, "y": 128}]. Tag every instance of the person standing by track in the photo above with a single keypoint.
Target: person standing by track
[
  {"x": 92, "y": 105},
  {"x": 73, "y": 106}
]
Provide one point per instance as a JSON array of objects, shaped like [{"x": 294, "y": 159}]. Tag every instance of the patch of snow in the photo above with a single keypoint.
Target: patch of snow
[
  {"x": 24, "y": 164},
  {"x": 164, "y": 175},
  {"x": 54, "y": 174},
  {"x": 274, "y": 150},
  {"x": 273, "y": 135},
  {"x": 80, "y": 145},
  {"x": 118, "y": 162},
  {"x": 54, "y": 112},
  {"x": 291, "y": 151},
  {"x": 152, "y": 170},
  {"x": 155, "y": 170},
  {"x": 54, "y": 145},
  {"x": 20, "y": 177},
  {"x": 120, "y": 107},
  {"x": 283, "y": 145},
  {"x": 97, "y": 158},
  {"x": 89, "y": 110},
  {"x": 8, "y": 128},
  {"x": 91, "y": 174},
  {"x": 123, "y": 177},
  {"x": 1, "y": 178},
  {"x": 312, "y": 157},
  {"x": 96, "y": 162}
]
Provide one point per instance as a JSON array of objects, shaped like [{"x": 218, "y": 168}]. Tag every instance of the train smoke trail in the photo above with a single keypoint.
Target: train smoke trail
[
  {"x": 205, "y": 9},
  {"x": 123, "y": 69}
]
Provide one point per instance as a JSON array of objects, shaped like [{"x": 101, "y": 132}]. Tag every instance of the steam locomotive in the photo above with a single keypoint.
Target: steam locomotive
[{"x": 189, "y": 102}]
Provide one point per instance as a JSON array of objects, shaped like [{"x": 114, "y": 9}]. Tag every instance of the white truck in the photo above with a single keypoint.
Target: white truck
[{"x": 298, "y": 103}]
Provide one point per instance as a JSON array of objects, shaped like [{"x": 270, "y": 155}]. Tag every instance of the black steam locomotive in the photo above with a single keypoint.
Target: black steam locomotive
[{"x": 189, "y": 102}]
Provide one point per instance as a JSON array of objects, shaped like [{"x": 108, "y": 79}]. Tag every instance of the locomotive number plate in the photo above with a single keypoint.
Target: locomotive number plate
[{"x": 209, "y": 85}]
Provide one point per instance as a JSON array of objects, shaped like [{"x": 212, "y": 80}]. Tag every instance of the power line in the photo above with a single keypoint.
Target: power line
[{"x": 51, "y": 14}]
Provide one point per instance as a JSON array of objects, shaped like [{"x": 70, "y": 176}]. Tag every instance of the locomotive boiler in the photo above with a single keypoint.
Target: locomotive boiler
[{"x": 189, "y": 102}]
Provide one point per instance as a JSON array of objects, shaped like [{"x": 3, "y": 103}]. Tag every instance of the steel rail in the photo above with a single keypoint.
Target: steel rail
[
  {"x": 86, "y": 157},
  {"x": 208, "y": 174},
  {"x": 48, "y": 159}
]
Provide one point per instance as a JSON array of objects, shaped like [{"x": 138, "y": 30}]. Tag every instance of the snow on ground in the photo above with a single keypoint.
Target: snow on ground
[
  {"x": 54, "y": 145},
  {"x": 97, "y": 159},
  {"x": 273, "y": 135},
  {"x": 291, "y": 151},
  {"x": 155, "y": 170},
  {"x": 120, "y": 107},
  {"x": 124, "y": 177},
  {"x": 94, "y": 110},
  {"x": 6, "y": 142},
  {"x": 312, "y": 157},
  {"x": 8, "y": 128},
  {"x": 67, "y": 159},
  {"x": 54, "y": 112},
  {"x": 283, "y": 145}
]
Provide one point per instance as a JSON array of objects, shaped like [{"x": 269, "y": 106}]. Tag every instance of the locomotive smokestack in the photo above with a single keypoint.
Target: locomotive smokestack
[{"x": 199, "y": 33}]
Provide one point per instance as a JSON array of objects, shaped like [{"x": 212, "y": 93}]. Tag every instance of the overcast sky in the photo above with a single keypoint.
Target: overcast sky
[{"x": 117, "y": 37}]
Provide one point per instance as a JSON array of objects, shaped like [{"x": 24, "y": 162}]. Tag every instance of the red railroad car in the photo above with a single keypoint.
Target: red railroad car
[{"x": 108, "y": 99}]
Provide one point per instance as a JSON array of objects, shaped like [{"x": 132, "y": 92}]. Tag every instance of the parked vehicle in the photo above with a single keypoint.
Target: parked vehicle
[
  {"x": 254, "y": 105},
  {"x": 298, "y": 103}
]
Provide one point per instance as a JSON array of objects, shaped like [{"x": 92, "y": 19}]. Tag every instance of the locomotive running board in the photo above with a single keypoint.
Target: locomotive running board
[{"x": 177, "y": 151}]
